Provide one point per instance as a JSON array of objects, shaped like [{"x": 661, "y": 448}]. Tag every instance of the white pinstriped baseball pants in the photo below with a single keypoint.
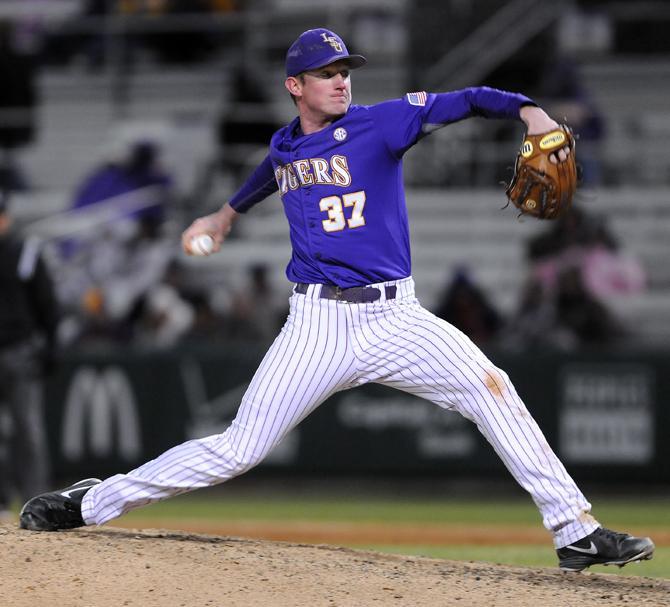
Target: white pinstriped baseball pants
[{"x": 327, "y": 346}]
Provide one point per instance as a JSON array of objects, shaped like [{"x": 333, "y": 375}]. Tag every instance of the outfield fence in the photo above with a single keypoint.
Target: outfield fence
[{"x": 603, "y": 413}]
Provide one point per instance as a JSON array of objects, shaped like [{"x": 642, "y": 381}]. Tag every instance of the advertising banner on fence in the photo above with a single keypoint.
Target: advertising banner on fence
[{"x": 603, "y": 414}]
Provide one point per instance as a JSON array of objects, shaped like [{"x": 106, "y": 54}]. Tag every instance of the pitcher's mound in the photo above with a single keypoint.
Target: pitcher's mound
[{"x": 114, "y": 567}]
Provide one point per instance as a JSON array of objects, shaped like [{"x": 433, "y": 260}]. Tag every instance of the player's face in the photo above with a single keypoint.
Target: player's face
[{"x": 326, "y": 91}]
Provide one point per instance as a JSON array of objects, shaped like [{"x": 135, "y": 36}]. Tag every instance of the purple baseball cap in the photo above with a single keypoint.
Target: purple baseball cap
[{"x": 317, "y": 48}]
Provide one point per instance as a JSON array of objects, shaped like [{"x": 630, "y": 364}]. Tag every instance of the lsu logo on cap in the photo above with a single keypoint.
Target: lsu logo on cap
[
  {"x": 552, "y": 140},
  {"x": 526, "y": 149},
  {"x": 334, "y": 42}
]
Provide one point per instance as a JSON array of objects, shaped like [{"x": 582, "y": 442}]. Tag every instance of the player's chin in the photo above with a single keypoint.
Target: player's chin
[
  {"x": 337, "y": 110},
  {"x": 341, "y": 103}
]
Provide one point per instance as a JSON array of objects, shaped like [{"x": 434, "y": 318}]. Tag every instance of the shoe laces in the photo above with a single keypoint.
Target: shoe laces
[{"x": 610, "y": 535}]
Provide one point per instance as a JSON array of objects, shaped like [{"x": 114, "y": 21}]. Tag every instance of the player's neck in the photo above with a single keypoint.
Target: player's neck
[{"x": 312, "y": 124}]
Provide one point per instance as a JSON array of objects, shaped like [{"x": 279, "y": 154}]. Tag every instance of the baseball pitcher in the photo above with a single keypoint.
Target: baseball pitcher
[{"x": 353, "y": 316}]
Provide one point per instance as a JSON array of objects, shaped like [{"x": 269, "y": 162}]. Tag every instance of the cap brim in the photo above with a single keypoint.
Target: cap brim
[
  {"x": 356, "y": 61},
  {"x": 353, "y": 61}
]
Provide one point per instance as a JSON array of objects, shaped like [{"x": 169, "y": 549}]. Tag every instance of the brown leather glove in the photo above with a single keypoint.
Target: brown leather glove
[{"x": 540, "y": 187}]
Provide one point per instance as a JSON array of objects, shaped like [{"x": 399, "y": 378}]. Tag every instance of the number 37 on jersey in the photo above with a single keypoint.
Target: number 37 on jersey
[{"x": 335, "y": 206}]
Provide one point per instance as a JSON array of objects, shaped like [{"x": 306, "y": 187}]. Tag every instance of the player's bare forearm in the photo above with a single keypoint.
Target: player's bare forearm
[
  {"x": 536, "y": 119},
  {"x": 538, "y": 122},
  {"x": 217, "y": 225}
]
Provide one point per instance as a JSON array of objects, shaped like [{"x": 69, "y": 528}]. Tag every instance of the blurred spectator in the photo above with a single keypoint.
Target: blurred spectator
[
  {"x": 140, "y": 168},
  {"x": 17, "y": 107},
  {"x": 164, "y": 319},
  {"x": 256, "y": 312},
  {"x": 109, "y": 270},
  {"x": 464, "y": 305},
  {"x": 565, "y": 97},
  {"x": 109, "y": 278},
  {"x": 580, "y": 316},
  {"x": 208, "y": 324},
  {"x": 581, "y": 240},
  {"x": 566, "y": 318},
  {"x": 574, "y": 229},
  {"x": 124, "y": 196},
  {"x": 576, "y": 271},
  {"x": 28, "y": 325},
  {"x": 164, "y": 316},
  {"x": 532, "y": 326}
]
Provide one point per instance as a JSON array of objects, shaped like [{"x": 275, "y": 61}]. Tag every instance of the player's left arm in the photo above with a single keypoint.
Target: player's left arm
[
  {"x": 405, "y": 121},
  {"x": 484, "y": 101},
  {"x": 493, "y": 103}
]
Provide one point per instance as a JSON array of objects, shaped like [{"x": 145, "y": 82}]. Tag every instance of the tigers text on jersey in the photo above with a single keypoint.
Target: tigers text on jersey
[{"x": 342, "y": 187}]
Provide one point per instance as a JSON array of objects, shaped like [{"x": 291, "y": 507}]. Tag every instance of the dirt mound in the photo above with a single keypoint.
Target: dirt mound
[{"x": 114, "y": 567}]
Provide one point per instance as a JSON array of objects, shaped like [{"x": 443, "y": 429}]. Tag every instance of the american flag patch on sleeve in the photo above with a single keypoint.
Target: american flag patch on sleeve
[{"x": 417, "y": 98}]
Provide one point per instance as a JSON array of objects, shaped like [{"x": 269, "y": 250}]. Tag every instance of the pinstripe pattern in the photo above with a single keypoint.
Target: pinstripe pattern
[{"x": 326, "y": 346}]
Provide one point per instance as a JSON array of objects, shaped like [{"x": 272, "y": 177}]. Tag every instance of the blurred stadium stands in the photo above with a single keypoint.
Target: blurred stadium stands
[
  {"x": 466, "y": 229},
  {"x": 87, "y": 111}
]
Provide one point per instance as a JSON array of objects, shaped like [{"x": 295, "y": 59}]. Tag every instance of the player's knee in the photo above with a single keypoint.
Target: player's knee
[
  {"x": 245, "y": 461},
  {"x": 237, "y": 449},
  {"x": 239, "y": 458}
]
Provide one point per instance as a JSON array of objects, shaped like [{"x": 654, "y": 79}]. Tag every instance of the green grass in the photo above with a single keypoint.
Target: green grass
[
  {"x": 650, "y": 513},
  {"x": 621, "y": 514},
  {"x": 363, "y": 510}
]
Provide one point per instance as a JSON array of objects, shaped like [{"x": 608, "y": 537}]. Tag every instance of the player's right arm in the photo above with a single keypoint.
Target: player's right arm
[
  {"x": 217, "y": 225},
  {"x": 257, "y": 187}
]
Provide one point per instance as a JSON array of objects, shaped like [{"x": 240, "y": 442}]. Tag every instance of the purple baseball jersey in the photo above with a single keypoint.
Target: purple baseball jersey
[{"x": 342, "y": 187}]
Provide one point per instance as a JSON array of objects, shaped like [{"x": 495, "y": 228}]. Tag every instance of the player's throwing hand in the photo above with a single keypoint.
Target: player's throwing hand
[{"x": 217, "y": 225}]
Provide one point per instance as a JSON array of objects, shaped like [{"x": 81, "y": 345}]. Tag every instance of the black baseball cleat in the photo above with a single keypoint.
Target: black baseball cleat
[
  {"x": 57, "y": 510},
  {"x": 604, "y": 547}
]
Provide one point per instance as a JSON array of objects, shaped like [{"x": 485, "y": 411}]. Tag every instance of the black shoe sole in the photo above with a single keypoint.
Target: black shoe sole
[{"x": 578, "y": 563}]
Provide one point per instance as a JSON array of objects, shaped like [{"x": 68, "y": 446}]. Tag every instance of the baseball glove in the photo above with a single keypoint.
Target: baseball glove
[{"x": 540, "y": 187}]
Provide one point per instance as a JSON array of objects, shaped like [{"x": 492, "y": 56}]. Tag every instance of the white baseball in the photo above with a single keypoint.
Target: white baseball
[{"x": 202, "y": 244}]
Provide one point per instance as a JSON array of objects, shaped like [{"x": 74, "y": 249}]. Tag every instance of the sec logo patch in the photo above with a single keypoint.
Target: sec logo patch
[{"x": 340, "y": 134}]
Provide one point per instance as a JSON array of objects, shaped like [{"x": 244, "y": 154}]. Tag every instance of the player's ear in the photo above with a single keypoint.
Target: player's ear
[{"x": 293, "y": 86}]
